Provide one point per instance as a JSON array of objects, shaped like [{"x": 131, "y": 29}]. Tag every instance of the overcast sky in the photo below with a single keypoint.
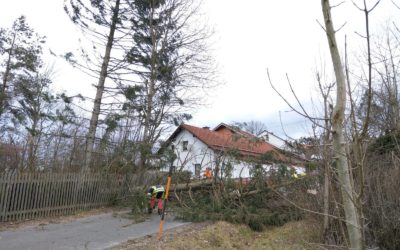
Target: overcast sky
[{"x": 250, "y": 36}]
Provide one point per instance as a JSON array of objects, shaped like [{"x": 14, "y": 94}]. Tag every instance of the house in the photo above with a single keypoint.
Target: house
[
  {"x": 225, "y": 148},
  {"x": 273, "y": 139},
  {"x": 305, "y": 149}
]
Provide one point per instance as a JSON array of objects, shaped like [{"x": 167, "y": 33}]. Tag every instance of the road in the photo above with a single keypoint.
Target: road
[{"x": 94, "y": 232}]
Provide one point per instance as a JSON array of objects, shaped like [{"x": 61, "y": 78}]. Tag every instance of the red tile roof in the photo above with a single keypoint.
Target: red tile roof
[{"x": 225, "y": 137}]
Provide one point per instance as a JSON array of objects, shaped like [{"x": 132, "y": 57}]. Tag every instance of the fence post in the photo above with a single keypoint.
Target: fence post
[{"x": 4, "y": 185}]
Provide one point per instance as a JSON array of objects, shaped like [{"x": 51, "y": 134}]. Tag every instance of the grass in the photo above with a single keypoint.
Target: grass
[{"x": 223, "y": 235}]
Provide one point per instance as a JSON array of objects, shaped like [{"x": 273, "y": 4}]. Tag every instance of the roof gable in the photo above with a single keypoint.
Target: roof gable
[{"x": 225, "y": 138}]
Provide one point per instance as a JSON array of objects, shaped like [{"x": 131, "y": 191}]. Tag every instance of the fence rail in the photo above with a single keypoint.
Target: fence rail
[{"x": 33, "y": 195}]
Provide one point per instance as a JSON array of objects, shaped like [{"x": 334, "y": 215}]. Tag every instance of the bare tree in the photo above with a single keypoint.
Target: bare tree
[
  {"x": 352, "y": 214},
  {"x": 101, "y": 14},
  {"x": 256, "y": 128},
  {"x": 385, "y": 112},
  {"x": 325, "y": 91}
]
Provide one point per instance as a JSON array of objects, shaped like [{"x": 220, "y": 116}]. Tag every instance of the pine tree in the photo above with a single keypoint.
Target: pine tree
[
  {"x": 20, "y": 52},
  {"x": 171, "y": 59}
]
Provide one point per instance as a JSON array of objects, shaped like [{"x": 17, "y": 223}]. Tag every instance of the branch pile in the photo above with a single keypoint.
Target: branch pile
[{"x": 257, "y": 204}]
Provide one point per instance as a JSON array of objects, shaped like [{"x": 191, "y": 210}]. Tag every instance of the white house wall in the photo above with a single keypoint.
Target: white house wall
[
  {"x": 276, "y": 141},
  {"x": 240, "y": 169},
  {"x": 197, "y": 153}
]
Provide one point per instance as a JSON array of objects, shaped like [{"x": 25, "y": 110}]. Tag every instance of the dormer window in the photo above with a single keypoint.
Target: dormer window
[{"x": 185, "y": 145}]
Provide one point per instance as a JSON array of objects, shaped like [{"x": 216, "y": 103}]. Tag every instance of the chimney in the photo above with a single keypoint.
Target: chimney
[{"x": 208, "y": 128}]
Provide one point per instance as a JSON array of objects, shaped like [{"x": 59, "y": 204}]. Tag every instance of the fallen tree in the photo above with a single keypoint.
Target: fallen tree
[{"x": 263, "y": 201}]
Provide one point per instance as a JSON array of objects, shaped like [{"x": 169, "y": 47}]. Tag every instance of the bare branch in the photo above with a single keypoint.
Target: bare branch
[
  {"x": 298, "y": 101},
  {"x": 373, "y": 7},
  {"x": 359, "y": 8},
  {"x": 322, "y": 27},
  {"x": 341, "y": 27},
  {"x": 283, "y": 129},
  {"x": 366, "y": 121},
  {"x": 288, "y": 103},
  {"x": 365, "y": 37},
  {"x": 337, "y": 5},
  {"x": 313, "y": 212},
  {"x": 395, "y": 4}
]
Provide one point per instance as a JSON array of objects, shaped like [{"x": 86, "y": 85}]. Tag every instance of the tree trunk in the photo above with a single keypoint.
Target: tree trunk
[
  {"x": 31, "y": 146},
  {"x": 326, "y": 198},
  {"x": 55, "y": 162},
  {"x": 100, "y": 89},
  {"x": 394, "y": 92},
  {"x": 326, "y": 161},
  {"x": 33, "y": 134},
  {"x": 3, "y": 93},
  {"x": 150, "y": 85},
  {"x": 347, "y": 189}
]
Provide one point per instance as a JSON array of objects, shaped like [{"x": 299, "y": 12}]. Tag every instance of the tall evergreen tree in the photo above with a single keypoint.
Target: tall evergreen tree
[
  {"x": 33, "y": 109},
  {"x": 170, "y": 56},
  {"x": 20, "y": 52}
]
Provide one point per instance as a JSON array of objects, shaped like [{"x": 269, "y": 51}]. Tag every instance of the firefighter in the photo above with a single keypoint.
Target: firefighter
[{"x": 156, "y": 192}]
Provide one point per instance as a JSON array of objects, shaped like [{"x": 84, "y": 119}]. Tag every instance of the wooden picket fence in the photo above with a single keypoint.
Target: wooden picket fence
[{"x": 26, "y": 196}]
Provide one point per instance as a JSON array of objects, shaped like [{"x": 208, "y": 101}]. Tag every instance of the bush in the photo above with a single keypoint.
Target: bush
[
  {"x": 139, "y": 201},
  {"x": 382, "y": 200},
  {"x": 385, "y": 144},
  {"x": 255, "y": 224}
]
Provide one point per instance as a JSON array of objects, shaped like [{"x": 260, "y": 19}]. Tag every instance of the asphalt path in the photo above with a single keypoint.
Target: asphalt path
[{"x": 94, "y": 232}]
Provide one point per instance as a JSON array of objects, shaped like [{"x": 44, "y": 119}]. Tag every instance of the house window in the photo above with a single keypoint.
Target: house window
[
  {"x": 197, "y": 169},
  {"x": 185, "y": 145}
]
